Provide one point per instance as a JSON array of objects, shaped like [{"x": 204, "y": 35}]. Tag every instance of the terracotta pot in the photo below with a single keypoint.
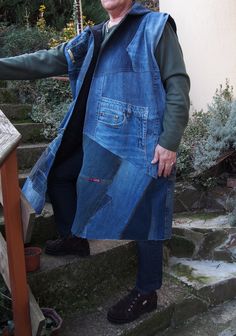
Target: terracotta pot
[
  {"x": 56, "y": 320},
  {"x": 32, "y": 258}
]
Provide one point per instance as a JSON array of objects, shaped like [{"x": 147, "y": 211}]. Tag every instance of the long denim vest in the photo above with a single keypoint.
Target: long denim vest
[{"x": 124, "y": 116}]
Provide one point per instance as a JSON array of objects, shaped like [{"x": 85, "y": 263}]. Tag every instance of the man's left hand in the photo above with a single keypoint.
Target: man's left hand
[{"x": 166, "y": 160}]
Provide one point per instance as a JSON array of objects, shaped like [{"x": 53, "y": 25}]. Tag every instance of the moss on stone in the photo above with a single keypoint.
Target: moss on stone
[
  {"x": 198, "y": 215},
  {"x": 187, "y": 272}
]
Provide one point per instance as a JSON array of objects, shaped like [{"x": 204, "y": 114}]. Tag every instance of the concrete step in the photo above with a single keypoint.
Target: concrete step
[
  {"x": 31, "y": 132},
  {"x": 8, "y": 96},
  {"x": 70, "y": 283},
  {"x": 16, "y": 111},
  {"x": 28, "y": 154}
]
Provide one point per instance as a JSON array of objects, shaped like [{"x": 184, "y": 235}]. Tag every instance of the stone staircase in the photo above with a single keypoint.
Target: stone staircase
[
  {"x": 32, "y": 142},
  {"x": 199, "y": 265}
]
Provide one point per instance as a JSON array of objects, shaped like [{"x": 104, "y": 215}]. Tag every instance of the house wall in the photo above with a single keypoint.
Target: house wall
[{"x": 207, "y": 33}]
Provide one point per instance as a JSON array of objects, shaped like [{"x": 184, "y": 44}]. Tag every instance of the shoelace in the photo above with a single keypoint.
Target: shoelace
[{"x": 134, "y": 301}]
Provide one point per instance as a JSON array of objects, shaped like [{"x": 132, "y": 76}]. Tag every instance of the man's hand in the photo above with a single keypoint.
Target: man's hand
[{"x": 166, "y": 159}]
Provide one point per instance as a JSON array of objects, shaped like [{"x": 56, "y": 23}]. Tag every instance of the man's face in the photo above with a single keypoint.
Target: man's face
[{"x": 111, "y": 5}]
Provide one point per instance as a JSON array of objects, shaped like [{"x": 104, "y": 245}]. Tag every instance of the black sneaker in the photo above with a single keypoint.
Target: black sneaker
[
  {"x": 132, "y": 306},
  {"x": 69, "y": 245}
]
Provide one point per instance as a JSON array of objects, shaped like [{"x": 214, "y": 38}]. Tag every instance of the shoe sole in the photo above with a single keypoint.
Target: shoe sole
[{"x": 123, "y": 321}]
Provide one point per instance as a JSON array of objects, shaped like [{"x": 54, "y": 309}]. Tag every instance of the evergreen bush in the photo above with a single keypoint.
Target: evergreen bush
[
  {"x": 207, "y": 136},
  {"x": 56, "y": 15},
  {"x": 220, "y": 134},
  {"x": 51, "y": 104},
  {"x": 93, "y": 10},
  {"x": 18, "y": 41}
]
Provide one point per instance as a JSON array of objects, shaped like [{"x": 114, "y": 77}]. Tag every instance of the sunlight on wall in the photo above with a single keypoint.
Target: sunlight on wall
[{"x": 207, "y": 33}]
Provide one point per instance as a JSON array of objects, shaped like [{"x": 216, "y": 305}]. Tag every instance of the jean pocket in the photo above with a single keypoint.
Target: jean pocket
[
  {"x": 110, "y": 112},
  {"x": 122, "y": 126}
]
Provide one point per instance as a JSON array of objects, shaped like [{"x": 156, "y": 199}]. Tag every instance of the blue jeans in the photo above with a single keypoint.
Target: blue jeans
[{"x": 62, "y": 192}]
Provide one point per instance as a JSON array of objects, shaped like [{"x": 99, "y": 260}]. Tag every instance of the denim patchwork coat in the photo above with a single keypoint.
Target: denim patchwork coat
[{"x": 123, "y": 116}]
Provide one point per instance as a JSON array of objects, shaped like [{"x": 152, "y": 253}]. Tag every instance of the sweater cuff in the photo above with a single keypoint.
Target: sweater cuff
[{"x": 172, "y": 143}]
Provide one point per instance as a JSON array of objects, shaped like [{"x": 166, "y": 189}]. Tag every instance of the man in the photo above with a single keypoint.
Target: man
[{"x": 110, "y": 172}]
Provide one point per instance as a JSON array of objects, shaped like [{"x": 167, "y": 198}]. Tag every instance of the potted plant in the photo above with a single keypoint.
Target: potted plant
[
  {"x": 53, "y": 322},
  {"x": 32, "y": 258}
]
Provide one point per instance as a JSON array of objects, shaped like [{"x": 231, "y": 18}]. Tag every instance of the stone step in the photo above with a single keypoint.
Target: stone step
[
  {"x": 31, "y": 132},
  {"x": 28, "y": 154},
  {"x": 3, "y": 84},
  {"x": 218, "y": 321},
  {"x": 8, "y": 96},
  {"x": 16, "y": 111},
  {"x": 23, "y": 174},
  {"x": 181, "y": 297},
  {"x": 214, "y": 281},
  {"x": 43, "y": 228},
  {"x": 170, "y": 298},
  {"x": 202, "y": 237}
]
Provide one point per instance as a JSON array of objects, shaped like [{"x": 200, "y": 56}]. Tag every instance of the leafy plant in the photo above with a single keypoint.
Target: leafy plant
[
  {"x": 51, "y": 104},
  {"x": 208, "y": 135},
  {"x": 220, "y": 134},
  {"x": 20, "y": 40}
]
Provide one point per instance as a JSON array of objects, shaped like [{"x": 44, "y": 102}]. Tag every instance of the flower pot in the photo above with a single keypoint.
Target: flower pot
[
  {"x": 53, "y": 322},
  {"x": 32, "y": 258}
]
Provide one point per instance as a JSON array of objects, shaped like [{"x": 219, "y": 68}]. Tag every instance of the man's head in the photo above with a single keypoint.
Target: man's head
[{"x": 114, "y": 5}]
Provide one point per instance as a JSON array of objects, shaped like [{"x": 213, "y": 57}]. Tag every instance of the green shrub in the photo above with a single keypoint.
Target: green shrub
[
  {"x": 52, "y": 102},
  {"x": 56, "y": 15},
  {"x": 20, "y": 40},
  {"x": 195, "y": 131},
  {"x": 220, "y": 134},
  {"x": 93, "y": 10},
  {"x": 207, "y": 136},
  {"x": 50, "y": 99}
]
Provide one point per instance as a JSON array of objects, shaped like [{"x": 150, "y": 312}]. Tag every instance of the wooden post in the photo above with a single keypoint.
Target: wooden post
[{"x": 15, "y": 246}]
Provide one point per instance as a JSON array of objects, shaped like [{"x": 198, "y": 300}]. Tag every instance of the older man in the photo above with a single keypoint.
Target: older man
[{"x": 110, "y": 172}]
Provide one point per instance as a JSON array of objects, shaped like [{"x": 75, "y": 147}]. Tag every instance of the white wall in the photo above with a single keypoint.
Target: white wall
[{"x": 207, "y": 33}]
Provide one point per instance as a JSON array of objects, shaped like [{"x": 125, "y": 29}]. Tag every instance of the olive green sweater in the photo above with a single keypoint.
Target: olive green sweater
[
  {"x": 52, "y": 62},
  {"x": 176, "y": 83}
]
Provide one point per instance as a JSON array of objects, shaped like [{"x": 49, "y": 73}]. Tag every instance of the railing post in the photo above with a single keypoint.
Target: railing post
[{"x": 15, "y": 246}]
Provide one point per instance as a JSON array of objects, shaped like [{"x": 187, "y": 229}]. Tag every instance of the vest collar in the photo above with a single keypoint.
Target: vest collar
[{"x": 138, "y": 9}]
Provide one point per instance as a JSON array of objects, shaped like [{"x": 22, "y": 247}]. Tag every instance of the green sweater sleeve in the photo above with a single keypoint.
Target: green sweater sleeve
[
  {"x": 40, "y": 64},
  {"x": 177, "y": 84}
]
